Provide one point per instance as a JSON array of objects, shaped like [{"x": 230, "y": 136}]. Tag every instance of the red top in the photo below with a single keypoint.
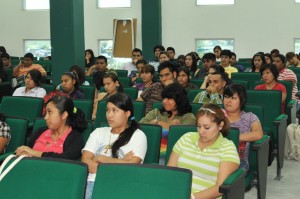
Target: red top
[{"x": 45, "y": 142}]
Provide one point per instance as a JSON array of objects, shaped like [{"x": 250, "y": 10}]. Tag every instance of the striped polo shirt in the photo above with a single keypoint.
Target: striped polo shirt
[{"x": 204, "y": 164}]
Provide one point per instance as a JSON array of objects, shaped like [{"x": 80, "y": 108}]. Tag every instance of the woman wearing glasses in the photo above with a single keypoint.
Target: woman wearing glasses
[{"x": 210, "y": 156}]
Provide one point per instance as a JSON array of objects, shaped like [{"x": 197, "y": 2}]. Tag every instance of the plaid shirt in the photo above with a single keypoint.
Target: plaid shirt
[{"x": 4, "y": 132}]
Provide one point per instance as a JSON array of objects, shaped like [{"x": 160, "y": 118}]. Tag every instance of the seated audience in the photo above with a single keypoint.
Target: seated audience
[
  {"x": 89, "y": 58},
  {"x": 285, "y": 73},
  {"x": 26, "y": 65},
  {"x": 176, "y": 110},
  {"x": 4, "y": 134},
  {"x": 268, "y": 58},
  {"x": 183, "y": 78},
  {"x": 147, "y": 75},
  {"x": 258, "y": 60},
  {"x": 216, "y": 82},
  {"x": 208, "y": 60},
  {"x": 136, "y": 74},
  {"x": 62, "y": 136},
  {"x": 269, "y": 75},
  {"x": 100, "y": 65},
  {"x": 225, "y": 62},
  {"x": 210, "y": 156},
  {"x": 233, "y": 63},
  {"x": 3, "y": 73},
  {"x": 191, "y": 63},
  {"x": 32, "y": 85},
  {"x": 293, "y": 60},
  {"x": 136, "y": 55},
  {"x": 118, "y": 143},
  {"x": 171, "y": 54},
  {"x": 217, "y": 51},
  {"x": 6, "y": 60},
  {"x": 111, "y": 85},
  {"x": 163, "y": 56},
  {"x": 167, "y": 75},
  {"x": 235, "y": 98}
]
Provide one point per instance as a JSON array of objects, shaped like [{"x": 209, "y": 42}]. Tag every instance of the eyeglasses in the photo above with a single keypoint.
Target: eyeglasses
[{"x": 207, "y": 109}]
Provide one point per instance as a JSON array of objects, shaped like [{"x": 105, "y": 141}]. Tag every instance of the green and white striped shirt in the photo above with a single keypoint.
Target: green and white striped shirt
[{"x": 204, "y": 164}]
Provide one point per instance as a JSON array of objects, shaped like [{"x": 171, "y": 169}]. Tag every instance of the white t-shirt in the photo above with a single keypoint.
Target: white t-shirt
[
  {"x": 100, "y": 138},
  {"x": 34, "y": 92}
]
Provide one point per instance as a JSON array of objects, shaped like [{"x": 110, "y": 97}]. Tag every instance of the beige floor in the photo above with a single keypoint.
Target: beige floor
[{"x": 287, "y": 188}]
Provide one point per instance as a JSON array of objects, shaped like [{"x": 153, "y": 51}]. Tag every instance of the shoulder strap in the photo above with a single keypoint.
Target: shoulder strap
[{"x": 3, "y": 174}]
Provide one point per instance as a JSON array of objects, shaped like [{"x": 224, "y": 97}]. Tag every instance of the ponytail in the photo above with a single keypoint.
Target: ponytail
[
  {"x": 77, "y": 120},
  {"x": 124, "y": 138}
]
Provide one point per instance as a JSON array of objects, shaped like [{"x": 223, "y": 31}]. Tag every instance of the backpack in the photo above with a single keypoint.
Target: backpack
[{"x": 292, "y": 146}]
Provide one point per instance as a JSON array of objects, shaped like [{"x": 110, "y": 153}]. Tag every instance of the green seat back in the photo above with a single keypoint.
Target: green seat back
[
  {"x": 197, "y": 82},
  {"x": 122, "y": 73},
  {"x": 90, "y": 80},
  {"x": 153, "y": 134},
  {"x": 49, "y": 177},
  {"x": 48, "y": 87},
  {"x": 25, "y": 107},
  {"x": 9, "y": 72},
  {"x": 245, "y": 83},
  {"x": 196, "y": 107},
  {"x": 39, "y": 123},
  {"x": 271, "y": 103},
  {"x": 5, "y": 89},
  {"x": 125, "y": 81},
  {"x": 46, "y": 65},
  {"x": 131, "y": 92},
  {"x": 246, "y": 76},
  {"x": 193, "y": 93},
  {"x": 88, "y": 91},
  {"x": 86, "y": 105},
  {"x": 18, "y": 130},
  {"x": 139, "y": 109},
  {"x": 136, "y": 181},
  {"x": 296, "y": 70}
]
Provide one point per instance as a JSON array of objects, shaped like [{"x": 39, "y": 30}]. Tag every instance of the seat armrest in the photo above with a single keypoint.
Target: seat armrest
[
  {"x": 259, "y": 144},
  {"x": 280, "y": 120},
  {"x": 234, "y": 185}
]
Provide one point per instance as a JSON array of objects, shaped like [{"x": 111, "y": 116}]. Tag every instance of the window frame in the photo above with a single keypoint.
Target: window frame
[
  {"x": 111, "y": 7},
  {"x": 212, "y": 46},
  {"x": 208, "y": 3},
  {"x": 297, "y": 49},
  {"x": 26, "y": 51},
  {"x": 35, "y": 9}
]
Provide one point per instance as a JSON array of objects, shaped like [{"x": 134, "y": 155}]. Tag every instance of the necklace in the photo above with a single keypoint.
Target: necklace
[{"x": 108, "y": 146}]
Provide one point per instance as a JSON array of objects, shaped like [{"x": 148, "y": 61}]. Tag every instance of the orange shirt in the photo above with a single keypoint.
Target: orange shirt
[
  {"x": 24, "y": 70},
  {"x": 45, "y": 142}
]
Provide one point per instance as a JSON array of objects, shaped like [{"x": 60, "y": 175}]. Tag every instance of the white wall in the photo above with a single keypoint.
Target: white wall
[
  {"x": 256, "y": 25},
  {"x": 18, "y": 24}
]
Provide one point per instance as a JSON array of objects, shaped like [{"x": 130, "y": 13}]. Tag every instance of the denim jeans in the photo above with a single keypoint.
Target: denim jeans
[{"x": 89, "y": 189}]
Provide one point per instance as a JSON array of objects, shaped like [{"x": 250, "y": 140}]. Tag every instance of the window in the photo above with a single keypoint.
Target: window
[
  {"x": 297, "y": 46},
  {"x": 114, "y": 3},
  {"x": 39, "y": 48},
  {"x": 36, "y": 4},
  {"x": 207, "y": 45},
  {"x": 297, "y": 1},
  {"x": 105, "y": 49},
  {"x": 215, "y": 2}
]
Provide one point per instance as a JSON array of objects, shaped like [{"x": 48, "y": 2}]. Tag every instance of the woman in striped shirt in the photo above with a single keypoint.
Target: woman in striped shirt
[{"x": 210, "y": 156}]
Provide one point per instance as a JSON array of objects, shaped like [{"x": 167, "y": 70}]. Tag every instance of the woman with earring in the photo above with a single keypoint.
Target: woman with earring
[
  {"x": 210, "y": 156},
  {"x": 121, "y": 142}
]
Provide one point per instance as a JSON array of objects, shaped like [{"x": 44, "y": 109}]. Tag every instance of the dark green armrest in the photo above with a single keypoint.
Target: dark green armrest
[
  {"x": 291, "y": 109},
  {"x": 280, "y": 119},
  {"x": 261, "y": 147},
  {"x": 281, "y": 124},
  {"x": 233, "y": 186}
]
